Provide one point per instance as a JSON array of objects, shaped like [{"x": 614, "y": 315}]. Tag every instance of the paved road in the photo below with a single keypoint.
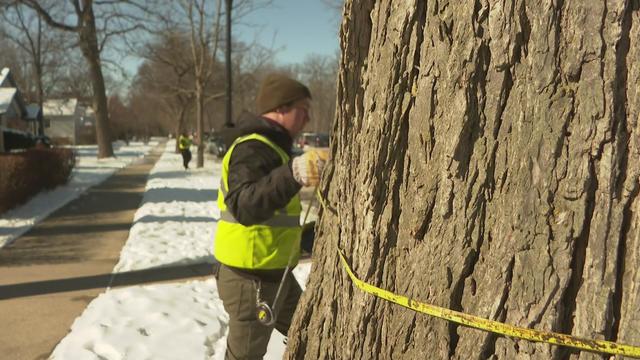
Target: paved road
[{"x": 50, "y": 274}]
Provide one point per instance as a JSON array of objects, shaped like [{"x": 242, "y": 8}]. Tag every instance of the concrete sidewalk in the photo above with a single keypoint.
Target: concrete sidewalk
[{"x": 50, "y": 274}]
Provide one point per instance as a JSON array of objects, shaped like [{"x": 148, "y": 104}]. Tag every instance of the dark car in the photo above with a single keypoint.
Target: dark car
[
  {"x": 216, "y": 146},
  {"x": 43, "y": 141},
  {"x": 17, "y": 140},
  {"x": 312, "y": 140}
]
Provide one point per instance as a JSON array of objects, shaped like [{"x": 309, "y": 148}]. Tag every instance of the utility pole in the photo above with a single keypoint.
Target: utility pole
[
  {"x": 1, "y": 133},
  {"x": 228, "y": 109}
]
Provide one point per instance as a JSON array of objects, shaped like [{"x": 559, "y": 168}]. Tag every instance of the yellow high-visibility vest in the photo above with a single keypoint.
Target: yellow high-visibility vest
[
  {"x": 184, "y": 143},
  {"x": 268, "y": 245}
]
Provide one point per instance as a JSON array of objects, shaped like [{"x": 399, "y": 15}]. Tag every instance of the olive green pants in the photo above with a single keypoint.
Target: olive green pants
[{"x": 248, "y": 338}]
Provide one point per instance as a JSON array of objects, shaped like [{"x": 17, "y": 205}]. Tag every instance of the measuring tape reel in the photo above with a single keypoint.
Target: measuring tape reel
[{"x": 264, "y": 314}]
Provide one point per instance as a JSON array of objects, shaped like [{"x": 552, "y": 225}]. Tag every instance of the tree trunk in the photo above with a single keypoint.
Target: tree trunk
[
  {"x": 40, "y": 90},
  {"x": 200, "y": 122},
  {"x": 485, "y": 159},
  {"x": 37, "y": 64},
  {"x": 1, "y": 134},
  {"x": 91, "y": 53}
]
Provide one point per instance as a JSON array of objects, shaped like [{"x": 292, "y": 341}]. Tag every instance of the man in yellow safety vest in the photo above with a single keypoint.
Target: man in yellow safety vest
[
  {"x": 184, "y": 145},
  {"x": 258, "y": 234}
]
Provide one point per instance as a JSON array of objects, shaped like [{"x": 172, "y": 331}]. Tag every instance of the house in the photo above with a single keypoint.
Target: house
[
  {"x": 19, "y": 122},
  {"x": 35, "y": 119},
  {"x": 6, "y": 80},
  {"x": 60, "y": 118},
  {"x": 68, "y": 122},
  {"x": 12, "y": 109}
]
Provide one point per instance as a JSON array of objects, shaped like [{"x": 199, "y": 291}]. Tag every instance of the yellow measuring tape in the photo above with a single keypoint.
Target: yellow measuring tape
[{"x": 599, "y": 346}]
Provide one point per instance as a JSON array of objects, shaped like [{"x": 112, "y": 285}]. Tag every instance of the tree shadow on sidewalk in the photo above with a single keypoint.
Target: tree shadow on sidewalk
[
  {"x": 58, "y": 243},
  {"x": 167, "y": 195},
  {"x": 148, "y": 219},
  {"x": 128, "y": 278}
]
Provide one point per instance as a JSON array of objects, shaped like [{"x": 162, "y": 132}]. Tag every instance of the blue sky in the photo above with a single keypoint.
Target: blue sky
[
  {"x": 297, "y": 28},
  {"x": 300, "y": 27}
]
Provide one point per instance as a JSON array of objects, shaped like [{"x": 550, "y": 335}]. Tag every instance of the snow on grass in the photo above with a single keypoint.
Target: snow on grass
[
  {"x": 176, "y": 221},
  {"x": 175, "y": 224},
  {"x": 89, "y": 171}
]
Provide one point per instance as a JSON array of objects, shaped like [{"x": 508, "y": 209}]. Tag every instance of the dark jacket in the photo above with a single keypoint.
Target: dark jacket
[{"x": 259, "y": 184}]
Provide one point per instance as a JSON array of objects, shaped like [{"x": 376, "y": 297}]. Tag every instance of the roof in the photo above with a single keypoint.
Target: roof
[
  {"x": 62, "y": 107},
  {"x": 6, "y": 98},
  {"x": 9, "y": 93},
  {"x": 5, "y": 78}
]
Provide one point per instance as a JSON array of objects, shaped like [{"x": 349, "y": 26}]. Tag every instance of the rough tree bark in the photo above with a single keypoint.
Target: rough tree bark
[{"x": 485, "y": 159}]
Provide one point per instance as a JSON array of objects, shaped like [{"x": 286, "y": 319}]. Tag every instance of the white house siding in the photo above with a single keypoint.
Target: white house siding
[{"x": 61, "y": 127}]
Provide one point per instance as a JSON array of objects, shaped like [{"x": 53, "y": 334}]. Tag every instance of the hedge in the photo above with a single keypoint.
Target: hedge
[{"x": 24, "y": 174}]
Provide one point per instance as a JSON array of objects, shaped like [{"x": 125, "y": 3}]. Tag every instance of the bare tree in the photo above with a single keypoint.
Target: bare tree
[
  {"x": 152, "y": 114},
  {"x": 147, "y": 111},
  {"x": 168, "y": 74},
  {"x": 25, "y": 29},
  {"x": 11, "y": 57},
  {"x": 203, "y": 51},
  {"x": 199, "y": 25},
  {"x": 120, "y": 119},
  {"x": 117, "y": 19},
  {"x": 320, "y": 74},
  {"x": 203, "y": 23},
  {"x": 485, "y": 160},
  {"x": 251, "y": 61}
]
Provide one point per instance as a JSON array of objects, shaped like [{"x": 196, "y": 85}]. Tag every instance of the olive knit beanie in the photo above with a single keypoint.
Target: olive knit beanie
[{"x": 277, "y": 90}]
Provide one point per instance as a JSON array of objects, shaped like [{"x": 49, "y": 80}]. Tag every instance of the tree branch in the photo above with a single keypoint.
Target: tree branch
[
  {"x": 47, "y": 17},
  {"x": 108, "y": 34},
  {"x": 215, "y": 97}
]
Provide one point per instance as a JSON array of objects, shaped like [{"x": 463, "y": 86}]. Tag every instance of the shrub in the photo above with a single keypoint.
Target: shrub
[
  {"x": 61, "y": 141},
  {"x": 24, "y": 174}
]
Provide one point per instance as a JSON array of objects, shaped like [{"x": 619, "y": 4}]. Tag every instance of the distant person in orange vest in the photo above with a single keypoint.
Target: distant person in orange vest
[{"x": 184, "y": 144}]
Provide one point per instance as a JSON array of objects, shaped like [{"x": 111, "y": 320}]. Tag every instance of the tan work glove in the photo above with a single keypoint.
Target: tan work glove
[{"x": 308, "y": 167}]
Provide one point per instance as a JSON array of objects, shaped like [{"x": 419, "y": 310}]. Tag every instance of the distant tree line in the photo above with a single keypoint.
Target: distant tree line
[
  {"x": 63, "y": 49},
  {"x": 158, "y": 92}
]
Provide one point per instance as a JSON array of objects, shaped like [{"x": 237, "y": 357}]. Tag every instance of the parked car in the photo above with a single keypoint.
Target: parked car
[
  {"x": 17, "y": 140},
  {"x": 216, "y": 146},
  {"x": 42, "y": 141},
  {"x": 310, "y": 139}
]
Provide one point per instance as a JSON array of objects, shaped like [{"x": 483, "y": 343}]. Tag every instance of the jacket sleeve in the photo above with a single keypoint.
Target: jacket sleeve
[{"x": 259, "y": 184}]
